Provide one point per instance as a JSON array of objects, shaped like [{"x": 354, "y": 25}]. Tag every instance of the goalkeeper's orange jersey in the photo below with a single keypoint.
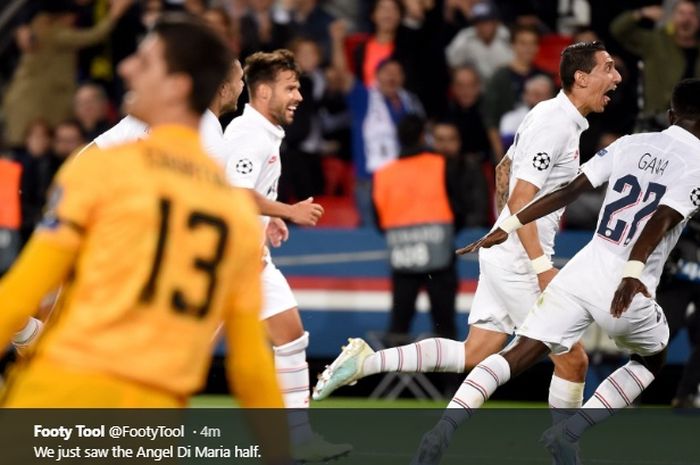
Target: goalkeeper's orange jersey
[{"x": 167, "y": 250}]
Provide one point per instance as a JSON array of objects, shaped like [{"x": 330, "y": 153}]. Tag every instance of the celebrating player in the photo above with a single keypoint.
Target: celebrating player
[
  {"x": 653, "y": 175},
  {"x": 544, "y": 155},
  {"x": 253, "y": 161}
]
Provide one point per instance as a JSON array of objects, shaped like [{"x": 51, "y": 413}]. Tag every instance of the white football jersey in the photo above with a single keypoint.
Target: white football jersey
[
  {"x": 643, "y": 171},
  {"x": 129, "y": 129},
  {"x": 252, "y": 146},
  {"x": 545, "y": 153}
]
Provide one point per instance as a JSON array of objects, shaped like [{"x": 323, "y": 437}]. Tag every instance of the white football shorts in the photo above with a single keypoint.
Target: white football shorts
[
  {"x": 277, "y": 295},
  {"x": 560, "y": 316},
  {"x": 502, "y": 299}
]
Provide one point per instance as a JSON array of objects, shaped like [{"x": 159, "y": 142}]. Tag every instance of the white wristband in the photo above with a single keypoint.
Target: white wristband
[
  {"x": 27, "y": 334},
  {"x": 633, "y": 269},
  {"x": 511, "y": 224},
  {"x": 541, "y": 264}
]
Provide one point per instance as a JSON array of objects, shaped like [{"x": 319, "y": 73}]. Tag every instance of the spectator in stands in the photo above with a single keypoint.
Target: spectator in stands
[
  {"x": 303, "y": 144},
  {"x": 44, "y": 82},
  {"x": 416, "y": 211},
  {"x": 91, "y": 109},
  {"x": 505, "y": 88},
  {"x": 485, "y": 45},
  {"x": 260, "y": 32},
  {"x": 219, "y": 20},
  {"x": 465, "y": 108},
  {"x": 537, "y": 89},
  {"x": 375, "y": 112},
  {"x": 310, "y": 20},
  {"x": 471, "y": 188},
  {"x": 386, "y": 19},
  {"x": 10, "y": 211},
  {"x": 68, "y": 138},
  {"x": 37, "y": 164},
  {"x": 669, "y": 53}
]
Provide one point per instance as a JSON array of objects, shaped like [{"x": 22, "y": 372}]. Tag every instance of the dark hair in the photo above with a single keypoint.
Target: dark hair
[
  {"x": 71, "y": 123},
  {"x": 399, "y": 4},
  {"x": 685, "y": 100},
  {"x": 263, "y": 67},
  {"x": 524, "y": 29},
  {"x": 410, "y": 130},
  {"x": 192, "y": 48},
  {"x": 577, "y": 57}
]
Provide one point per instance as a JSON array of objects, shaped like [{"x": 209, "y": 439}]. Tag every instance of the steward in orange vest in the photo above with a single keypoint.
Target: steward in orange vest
[
  {"x": 414, "y": 209},
  {"x": 10, "y": 216}
]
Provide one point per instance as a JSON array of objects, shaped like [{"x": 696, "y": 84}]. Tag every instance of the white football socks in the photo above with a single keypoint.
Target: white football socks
[
  {"x": 293, "y": 377},
  {"x": 428, "y": 355},
  {"x": 479, "y": 385},
  {"x": 564, "y": 397},
  {"x": 617, "y": 391}
]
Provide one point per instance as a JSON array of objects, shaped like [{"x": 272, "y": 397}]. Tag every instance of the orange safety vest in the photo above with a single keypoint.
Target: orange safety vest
[
  {"x": 10, "y": 175},
  {"x": 411, "y": 191}
]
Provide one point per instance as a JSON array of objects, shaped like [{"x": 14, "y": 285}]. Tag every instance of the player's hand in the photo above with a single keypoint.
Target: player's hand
[
  {"x": 495, "y": 237},
  {"x": 654, "y": 13},
  {"x": 119, "y": 7},
  {"x": 306, "y": 212},
  {"x": 276, "y": 232},
  {"x": 628, "y": 288},
  {"x": 546, "y": 277}
]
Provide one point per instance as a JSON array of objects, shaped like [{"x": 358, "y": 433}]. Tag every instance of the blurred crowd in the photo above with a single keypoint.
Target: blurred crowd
[{"x": 472, "y": 68}]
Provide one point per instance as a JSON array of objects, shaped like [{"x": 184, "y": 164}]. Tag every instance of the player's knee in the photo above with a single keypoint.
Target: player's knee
[{"x": 573, "y": 365}]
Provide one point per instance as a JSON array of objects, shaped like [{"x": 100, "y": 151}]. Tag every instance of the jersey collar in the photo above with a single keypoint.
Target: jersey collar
[
  {"x": 274, "y": 129},
  {"x": 210, "y": 119},
  {"x": 571, "y": 110},
  {"x": 175, "y": 131},
  {"x": 683, "y": 135}
]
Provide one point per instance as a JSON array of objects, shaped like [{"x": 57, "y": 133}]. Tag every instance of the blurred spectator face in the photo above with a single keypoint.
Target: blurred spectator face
[
  {"x": 232, "y": 88},
  {"x": 466, "y": 87},
  {"x": 307, "y": 55},
  {"x": 260, "y": 6},
  {"x": 386, "y": 15},
  {"x": 285, "y": 97},
  {"x": 390, "y": 78},
  {"x": 195, "y": 7},
  {"x": 486, "y": 30},
  {"x": 685, "y": 19},
  {"x": 219, "y": 22},
  {"x": 68, "y": 138},
  {"x": 526, "y": 44},
  {"x": 90, "y": 105},
  {"x": 446, "y": 139},
  {"x": 38, "y": 140},
  {"x": 537, "y": 89}
]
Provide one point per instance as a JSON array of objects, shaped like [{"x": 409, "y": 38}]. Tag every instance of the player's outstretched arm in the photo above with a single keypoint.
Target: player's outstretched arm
[
  {"x": 547, "y": 204},
  {"x": 304, "y": 213},
  {"x": 555, "y": 200},
  {"x": 40, "y": 269},
  {"x": 663, "y": 220}
]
